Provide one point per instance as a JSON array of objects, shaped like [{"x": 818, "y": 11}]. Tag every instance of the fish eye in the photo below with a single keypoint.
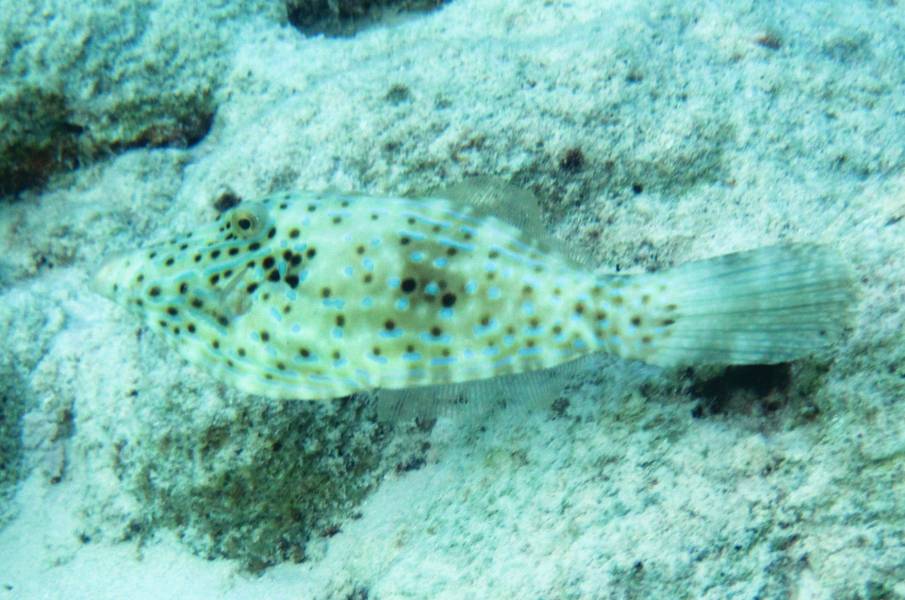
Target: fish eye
[{"x": 247, "y": 221}]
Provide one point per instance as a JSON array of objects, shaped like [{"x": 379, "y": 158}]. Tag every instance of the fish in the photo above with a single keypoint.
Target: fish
[{"x": 317, "y": 294}]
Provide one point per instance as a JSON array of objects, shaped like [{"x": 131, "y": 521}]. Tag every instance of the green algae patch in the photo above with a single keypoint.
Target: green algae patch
[
  {"x": 71, "y": 95},
  {"x": 11, "y": 448},
  {"x": 258, "y": 482}
]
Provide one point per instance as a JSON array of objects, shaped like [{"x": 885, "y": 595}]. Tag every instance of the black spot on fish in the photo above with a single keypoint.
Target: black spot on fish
[
  {"x": 274, "y": 276},
  {"x": 408, "y": 285},
  {"x": 251, "y": 288},
  {"x": 268, "y": 262},
  {"x": 448, "y": 300},
  {"x": 154, "y": 291},
  {"x": 292, "y": 280}
]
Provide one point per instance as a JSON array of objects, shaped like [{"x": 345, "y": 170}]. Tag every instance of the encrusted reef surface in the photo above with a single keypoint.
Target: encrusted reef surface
[{"x": 653, "y": 134}]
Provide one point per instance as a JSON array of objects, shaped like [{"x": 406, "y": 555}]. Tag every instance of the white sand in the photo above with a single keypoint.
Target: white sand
[{"x": 738, "y": 126}]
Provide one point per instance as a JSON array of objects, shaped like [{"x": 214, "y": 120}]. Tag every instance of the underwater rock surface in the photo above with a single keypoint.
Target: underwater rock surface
[{"x": 653, "y": 134}]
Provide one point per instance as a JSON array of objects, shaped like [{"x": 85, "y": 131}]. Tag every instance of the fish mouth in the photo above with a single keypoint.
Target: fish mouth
[{"x": 114, "y": 275}]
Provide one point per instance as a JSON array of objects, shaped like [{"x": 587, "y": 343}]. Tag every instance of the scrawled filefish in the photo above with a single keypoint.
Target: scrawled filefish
[{"x": 317, "y": 295}]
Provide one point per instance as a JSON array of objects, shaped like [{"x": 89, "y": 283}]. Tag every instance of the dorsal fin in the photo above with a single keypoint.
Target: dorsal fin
[
  {"x": 497, "y": 198},
  {"x": 517, "y": 206}
]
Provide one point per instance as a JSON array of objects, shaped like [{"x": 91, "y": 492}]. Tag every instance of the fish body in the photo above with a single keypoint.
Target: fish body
[{"x": 316, "y": 295}]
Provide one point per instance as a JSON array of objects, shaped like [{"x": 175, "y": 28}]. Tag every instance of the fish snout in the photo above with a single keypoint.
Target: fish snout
[{"x": 115, "y": 276}]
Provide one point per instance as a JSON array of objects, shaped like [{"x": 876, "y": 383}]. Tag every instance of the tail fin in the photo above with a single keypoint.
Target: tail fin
[{"x": 764, "y": 306}]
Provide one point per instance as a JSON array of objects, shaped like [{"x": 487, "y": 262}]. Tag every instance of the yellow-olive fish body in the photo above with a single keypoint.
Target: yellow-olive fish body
[{"x": 317, "y": 295}]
